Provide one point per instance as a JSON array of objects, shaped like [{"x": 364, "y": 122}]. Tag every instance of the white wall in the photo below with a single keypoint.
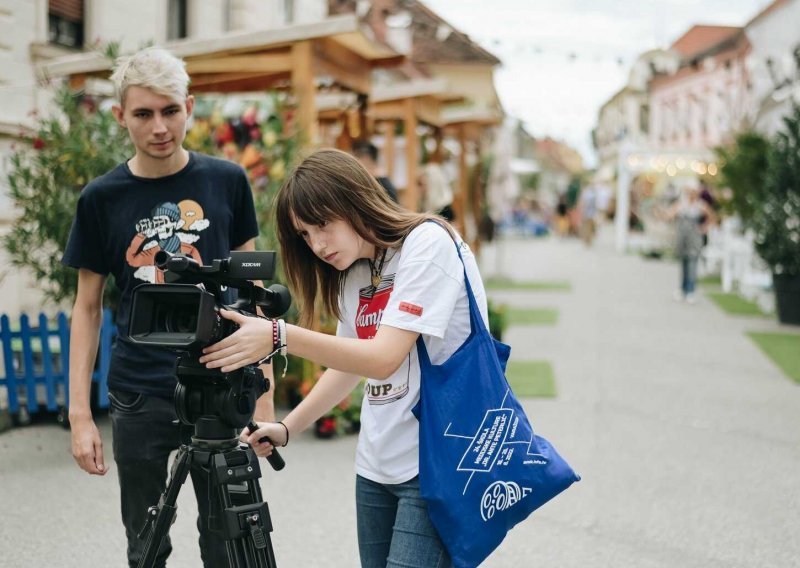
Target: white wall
[
  {"x": 207, "y": 18},
  {"x": 306, "y": 11},
  {"x": 132, "y": 24},
  {"x": 259, "y": 14},
  {"x": 21, "y": 24}
]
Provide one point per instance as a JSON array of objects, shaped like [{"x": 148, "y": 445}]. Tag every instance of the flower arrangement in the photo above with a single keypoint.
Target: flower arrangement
[{"x": 263, "y": 138}]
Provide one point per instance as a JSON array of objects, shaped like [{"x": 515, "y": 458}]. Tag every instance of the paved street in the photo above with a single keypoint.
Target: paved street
[{"x": 687, "y": 438}]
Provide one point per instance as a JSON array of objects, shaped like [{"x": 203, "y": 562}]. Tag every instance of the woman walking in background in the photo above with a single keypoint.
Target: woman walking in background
[{"x": 691, "y": 215}]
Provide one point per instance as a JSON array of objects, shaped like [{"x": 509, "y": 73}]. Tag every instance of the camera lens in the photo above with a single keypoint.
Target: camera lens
[
  {"x": 176, "y": 319},
  {"x": 182, "y": 319}
]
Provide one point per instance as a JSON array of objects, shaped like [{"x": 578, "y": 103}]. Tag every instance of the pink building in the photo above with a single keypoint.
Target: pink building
[{"x": 707, "y": 99}]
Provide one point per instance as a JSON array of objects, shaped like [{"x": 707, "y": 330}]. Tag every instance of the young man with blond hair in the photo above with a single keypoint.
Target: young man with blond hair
[{"x": 163, "y": 198}]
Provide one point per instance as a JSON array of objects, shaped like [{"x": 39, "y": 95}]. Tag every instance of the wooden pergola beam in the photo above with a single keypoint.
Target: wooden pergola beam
[
  {"x": 268, "y": 63},
  {"x": 236, "y": 82},
  {"x": 343, "y": 66}
]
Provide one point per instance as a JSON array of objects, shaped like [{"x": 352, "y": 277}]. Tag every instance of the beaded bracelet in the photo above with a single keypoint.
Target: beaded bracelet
[
  {"x": 278, "y": 345},
  {"x": 276, "y": 334}
]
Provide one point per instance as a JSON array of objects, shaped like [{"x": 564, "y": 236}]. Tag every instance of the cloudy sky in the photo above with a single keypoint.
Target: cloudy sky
[{"x": 563, "y": 58}]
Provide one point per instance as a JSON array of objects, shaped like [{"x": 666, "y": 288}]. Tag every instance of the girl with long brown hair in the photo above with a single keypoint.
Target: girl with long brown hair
[{"x": 388, "y": 276}]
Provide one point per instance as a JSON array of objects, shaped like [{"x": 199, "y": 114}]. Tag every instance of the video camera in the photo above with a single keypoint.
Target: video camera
[
  {"x": 185, "y": 317},
  {"x": 182, "y": 316}
]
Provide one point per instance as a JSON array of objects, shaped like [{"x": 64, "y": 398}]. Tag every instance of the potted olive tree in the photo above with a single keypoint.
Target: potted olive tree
[
  {"x": 776, "y": 221},
  {"x": 763, "y": 179}
]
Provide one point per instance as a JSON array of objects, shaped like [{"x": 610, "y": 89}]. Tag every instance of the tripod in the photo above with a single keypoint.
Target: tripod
[{"x": 238, "y": 511}]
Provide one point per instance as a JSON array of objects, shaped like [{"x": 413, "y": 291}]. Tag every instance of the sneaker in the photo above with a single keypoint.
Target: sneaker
[{"x": 691, "y": 298}]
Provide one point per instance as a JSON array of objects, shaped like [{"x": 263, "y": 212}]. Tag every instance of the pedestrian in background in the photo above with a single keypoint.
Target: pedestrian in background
[
  {"x": 367, "y": 153},
  {"x": 588, "y": 214},
  {"x": 690, "y": 214},
  {"x": 437, "y": 194}
]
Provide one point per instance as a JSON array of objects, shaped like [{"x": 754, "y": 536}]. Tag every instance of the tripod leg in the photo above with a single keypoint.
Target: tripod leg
[
  {"x": 246, "y": 522},
  {"x": 161, "y": 516}
]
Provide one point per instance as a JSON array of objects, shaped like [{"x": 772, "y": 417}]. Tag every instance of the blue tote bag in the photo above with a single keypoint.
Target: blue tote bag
[{"x": 482, "y": 469}]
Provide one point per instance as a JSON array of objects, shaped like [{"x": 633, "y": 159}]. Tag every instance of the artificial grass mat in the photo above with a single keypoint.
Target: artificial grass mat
[
  {"x": 531, "y": 379},
  {"x": 783, "y": 349},
  {"x": 531, "y": 316},
  {"x": 735, "y": 305},
  {"x": 710, "y": 281},
  {"x": 499, "y": 283}
]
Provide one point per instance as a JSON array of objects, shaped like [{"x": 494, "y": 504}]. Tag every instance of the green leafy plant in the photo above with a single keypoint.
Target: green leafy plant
[
  {"x": 46, "y": 174},
  {"x": 776, "y": 219},
  {"x": 498, "y": 319},
  {"x": 742, "y": 171}
]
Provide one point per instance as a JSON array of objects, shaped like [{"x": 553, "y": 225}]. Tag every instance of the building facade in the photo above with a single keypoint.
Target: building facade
[
  {"x": 707, "y": 100},
  {"x": 624, "y": 120},
  {"x": 774, "y": 63}
]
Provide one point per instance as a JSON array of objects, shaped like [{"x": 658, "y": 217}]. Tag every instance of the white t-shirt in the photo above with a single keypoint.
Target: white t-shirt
[{"x": 422, "y": 289}]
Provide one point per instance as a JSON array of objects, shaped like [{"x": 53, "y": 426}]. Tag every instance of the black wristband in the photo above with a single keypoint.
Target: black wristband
[{"x": 287, "y": 434}]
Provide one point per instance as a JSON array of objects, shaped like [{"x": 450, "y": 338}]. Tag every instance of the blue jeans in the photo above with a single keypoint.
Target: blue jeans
[
  {"x": 394, "y": 529},
  {"x": 688, "y": 274},
  {"x": 145, "y": 431}
]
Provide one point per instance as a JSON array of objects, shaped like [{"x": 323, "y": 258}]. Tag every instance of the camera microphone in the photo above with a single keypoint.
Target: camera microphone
[
  {"x": 175, "y": 262},
  {"x": 277, "y": 299}
]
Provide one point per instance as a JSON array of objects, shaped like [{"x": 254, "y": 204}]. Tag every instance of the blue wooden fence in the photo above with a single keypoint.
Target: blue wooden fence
[{"x": 34, "y": 356}]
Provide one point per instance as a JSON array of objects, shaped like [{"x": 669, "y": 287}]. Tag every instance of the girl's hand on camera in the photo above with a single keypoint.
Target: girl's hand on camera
[{"x": 248, "y": 344}]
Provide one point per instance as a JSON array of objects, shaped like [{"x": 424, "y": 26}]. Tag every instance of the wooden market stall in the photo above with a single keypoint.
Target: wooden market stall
[
  {"x": 334, "y": 51},
  {"x": 469, "y": 126},
  {"x": 409, "y": 103}
]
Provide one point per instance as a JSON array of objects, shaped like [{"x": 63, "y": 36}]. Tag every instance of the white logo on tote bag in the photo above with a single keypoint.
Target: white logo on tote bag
[{"x": 500, "y": 496}]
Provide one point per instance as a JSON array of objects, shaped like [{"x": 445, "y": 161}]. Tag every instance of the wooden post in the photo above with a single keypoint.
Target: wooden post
[
  {"x": 388, "y": 147},
  {"x": 460, "y": 198},
  {"x": 305, "y": 91},
  {"x": 477, "y": 197},
  {"x": 411, "y": 194},
  {"x": 438, "y": 152}
]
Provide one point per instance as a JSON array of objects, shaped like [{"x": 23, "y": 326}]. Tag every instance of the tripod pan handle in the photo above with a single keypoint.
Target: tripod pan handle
[{"x": 274, "y": 459}]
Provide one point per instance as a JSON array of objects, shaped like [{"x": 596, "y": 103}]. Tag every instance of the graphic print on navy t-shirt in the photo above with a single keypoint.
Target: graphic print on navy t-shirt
[
  {"x": 371, "y": 303},
  {"x": 171, "y": 227}
]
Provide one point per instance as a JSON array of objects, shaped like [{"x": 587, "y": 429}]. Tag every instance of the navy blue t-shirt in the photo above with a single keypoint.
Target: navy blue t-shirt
[{"x": 204, "y": 211}]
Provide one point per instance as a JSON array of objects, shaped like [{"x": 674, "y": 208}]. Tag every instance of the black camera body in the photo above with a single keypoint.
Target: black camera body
[{"x": 184, "y": 316}]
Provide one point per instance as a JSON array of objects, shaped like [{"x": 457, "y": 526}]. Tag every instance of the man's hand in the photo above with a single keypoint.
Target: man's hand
[{"x": 87, "y": 447}]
